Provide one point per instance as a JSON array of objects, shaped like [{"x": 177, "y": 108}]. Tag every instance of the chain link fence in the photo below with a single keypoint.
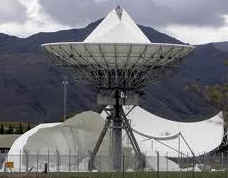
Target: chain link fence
[{"x": 55, "y": 162}]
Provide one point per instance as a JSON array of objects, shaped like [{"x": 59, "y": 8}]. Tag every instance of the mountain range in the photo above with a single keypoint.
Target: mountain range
[{"x": 31, "y": 87}]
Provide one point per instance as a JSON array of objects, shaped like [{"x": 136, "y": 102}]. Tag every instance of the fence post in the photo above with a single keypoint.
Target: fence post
[
  {"x": 167, "y": 163},
  {"x": 193, "y": 166},
  {"x": 69, "y": 160},
  {"x": 78, "y": 160},
  {"x": 37, "y": 162},
  {"x": 225, "y": 157},
  {"x": 27, "y": 160},
  {"x": 48, "y": 161},
  {"x": 187, "y": 161},
  {"x": 5, "y": 168},
  {"x": 181, "y": 163},
  {"x": 157, "y": 164},
  {"x": 57, "y": 161},
  {"x": 179, "y": 152},
  {"x": 205, "y": 161},
  {"x": 123, "y": 164},
  {"x": 20, "y": 162},
  {"x": 152, "y": 146},
  {"x": 222, "y": 160}
]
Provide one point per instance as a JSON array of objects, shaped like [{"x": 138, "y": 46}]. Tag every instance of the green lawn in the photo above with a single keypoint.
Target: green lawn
[{"x": 120, "y": 175}]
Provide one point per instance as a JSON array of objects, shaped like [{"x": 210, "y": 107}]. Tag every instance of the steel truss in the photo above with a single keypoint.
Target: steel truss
[
  {"x": 128, "y": 71},
  {"x": 119, "y": 122}
]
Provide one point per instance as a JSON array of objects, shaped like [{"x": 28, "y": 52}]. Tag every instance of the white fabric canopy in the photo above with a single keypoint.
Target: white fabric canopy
[
  {"x": 114, "y": 29},
  {"x": 76, "y": 136},
  {"x": 79, "y": 134},
  {"x": 202, "y": 137}
]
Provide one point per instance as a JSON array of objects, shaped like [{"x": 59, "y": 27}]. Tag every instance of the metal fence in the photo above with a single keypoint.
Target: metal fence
[{"x": 55, "y": 162}]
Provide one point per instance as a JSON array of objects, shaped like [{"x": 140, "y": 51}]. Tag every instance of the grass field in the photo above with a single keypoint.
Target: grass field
[{"x": 121, "y": 175}]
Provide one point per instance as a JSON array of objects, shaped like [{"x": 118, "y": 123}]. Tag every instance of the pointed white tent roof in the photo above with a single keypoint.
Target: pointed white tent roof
[{"x": 117, "y": 27}]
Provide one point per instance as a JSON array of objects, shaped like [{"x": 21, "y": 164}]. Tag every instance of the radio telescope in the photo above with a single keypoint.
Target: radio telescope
[{"x": 119, "y": 60}]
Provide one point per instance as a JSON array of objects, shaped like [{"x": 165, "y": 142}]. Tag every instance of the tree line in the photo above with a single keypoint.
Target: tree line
[
  {"x": 14, "y": 129},
  {"x": 216, "y": 95}
]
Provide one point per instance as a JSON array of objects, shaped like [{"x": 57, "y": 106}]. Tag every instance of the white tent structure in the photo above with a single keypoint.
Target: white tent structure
[
  {"x": 78, "y": 135},
  {"x": 117, "y": 27},
  {"x": 202, "y": 137},
  {"x": 74, "y": 138}
]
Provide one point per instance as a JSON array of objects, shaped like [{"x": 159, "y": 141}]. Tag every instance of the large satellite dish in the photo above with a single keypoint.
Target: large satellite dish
[
  {"x": 119, "y": 60},
  {"x": 127, "y": 66}
]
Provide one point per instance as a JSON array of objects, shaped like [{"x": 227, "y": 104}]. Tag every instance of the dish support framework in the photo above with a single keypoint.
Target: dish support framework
[{"x": 118, "y": 119}]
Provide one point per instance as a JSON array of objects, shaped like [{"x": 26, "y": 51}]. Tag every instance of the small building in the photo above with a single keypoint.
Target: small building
[{"x": 6, "y": 141}]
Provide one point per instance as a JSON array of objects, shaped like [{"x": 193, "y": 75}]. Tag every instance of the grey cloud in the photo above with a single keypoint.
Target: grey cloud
[
  {"x": 184, "y": 12},
  {"x": 12, "y": 11},
  {"x": 148, "y": 12},
  {"x": 75, "y": 12}
]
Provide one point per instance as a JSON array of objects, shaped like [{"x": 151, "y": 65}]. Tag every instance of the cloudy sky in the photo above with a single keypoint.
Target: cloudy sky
[{"x": 192, "y": 21}]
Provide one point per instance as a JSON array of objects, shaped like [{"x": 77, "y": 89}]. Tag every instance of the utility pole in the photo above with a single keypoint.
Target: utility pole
[{"x": 65, "y": 83}]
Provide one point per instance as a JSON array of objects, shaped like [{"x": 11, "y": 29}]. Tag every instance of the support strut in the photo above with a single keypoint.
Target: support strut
[
  {"x": 91, "y": 165},
  {"x": 119, "y": 122},
  {"x": 131, "y": 136},
  {"x": 117, "y": 134}
]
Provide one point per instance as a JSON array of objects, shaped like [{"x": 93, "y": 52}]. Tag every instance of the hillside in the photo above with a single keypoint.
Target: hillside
[{"x": 31, "y": 89}]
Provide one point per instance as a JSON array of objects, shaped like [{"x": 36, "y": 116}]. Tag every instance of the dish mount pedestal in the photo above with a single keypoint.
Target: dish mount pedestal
[{"x": 117, "y": 121}]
